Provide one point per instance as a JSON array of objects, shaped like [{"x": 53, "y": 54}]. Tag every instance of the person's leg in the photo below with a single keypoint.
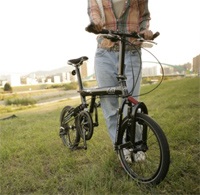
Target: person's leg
[{"x": 106, "y": 75}]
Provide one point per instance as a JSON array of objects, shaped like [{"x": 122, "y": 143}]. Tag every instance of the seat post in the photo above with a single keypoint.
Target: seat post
[{"x": 80, "y": 83}]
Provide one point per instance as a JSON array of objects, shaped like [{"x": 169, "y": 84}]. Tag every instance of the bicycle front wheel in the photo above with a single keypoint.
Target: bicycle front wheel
[
  {"x": 147, "y": 158},
  {"x": 68, "y": 128}
]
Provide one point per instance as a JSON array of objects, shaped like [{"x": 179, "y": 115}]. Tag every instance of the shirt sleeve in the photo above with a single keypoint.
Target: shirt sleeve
[
  {"x": 94, "y": 12},
  {"x": 144, "y": 15}
]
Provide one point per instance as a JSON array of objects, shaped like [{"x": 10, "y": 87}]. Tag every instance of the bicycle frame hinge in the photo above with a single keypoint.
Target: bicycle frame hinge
[{"x": 132, "y": 100}]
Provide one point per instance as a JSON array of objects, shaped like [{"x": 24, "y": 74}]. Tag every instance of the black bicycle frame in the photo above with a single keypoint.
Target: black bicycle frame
[{"x": 120, "y": 90}]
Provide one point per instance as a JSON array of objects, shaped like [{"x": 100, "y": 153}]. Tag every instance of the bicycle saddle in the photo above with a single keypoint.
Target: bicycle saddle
[{"x": 77, "y": 60}]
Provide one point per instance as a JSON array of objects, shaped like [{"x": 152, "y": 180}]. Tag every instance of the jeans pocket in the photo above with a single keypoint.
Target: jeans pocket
[{"x": 100, "y": 52}]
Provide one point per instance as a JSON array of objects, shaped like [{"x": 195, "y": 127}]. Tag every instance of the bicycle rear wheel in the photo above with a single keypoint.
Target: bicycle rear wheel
[
  {"x": 68, "y": 128},
  {"x": 153, "y": 165}
]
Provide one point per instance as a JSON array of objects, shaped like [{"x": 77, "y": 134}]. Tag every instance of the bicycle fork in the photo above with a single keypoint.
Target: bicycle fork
[{"x": 134, "y": 128}]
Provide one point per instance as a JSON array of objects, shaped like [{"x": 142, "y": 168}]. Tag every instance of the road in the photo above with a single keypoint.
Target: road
[{"x": 45, "y": 96}]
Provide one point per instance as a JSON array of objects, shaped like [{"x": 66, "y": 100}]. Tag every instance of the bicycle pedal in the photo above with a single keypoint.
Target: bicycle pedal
[
  {"x": 62, "y": 131},
  {"x": 98, "y": 104}
]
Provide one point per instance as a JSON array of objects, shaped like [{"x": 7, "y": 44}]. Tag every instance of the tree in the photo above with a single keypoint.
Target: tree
[{"x": 7, "y": 87}]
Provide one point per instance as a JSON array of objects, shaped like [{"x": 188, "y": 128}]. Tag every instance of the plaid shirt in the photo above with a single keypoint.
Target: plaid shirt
[{"x": 134, "y": 17}]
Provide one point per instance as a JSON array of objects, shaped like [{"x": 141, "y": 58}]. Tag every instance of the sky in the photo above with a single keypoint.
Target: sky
[{"x": 45, "y": 34}]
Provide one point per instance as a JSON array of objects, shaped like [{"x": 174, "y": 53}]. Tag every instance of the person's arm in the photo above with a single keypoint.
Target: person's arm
[
  {"x": 95, "y": 15},
  {"x": 144, "y": 19}
]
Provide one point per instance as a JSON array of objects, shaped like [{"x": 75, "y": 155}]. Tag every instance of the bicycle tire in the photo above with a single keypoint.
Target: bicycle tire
[
  {"x": 68, "y": 128},
  {"x": 154, "y": 167}
]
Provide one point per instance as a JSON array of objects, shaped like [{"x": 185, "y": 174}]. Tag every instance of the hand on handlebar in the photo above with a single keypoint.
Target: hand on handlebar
[
  {"x": 96, "y": 27},
  {"x": 147, "y": 34}
]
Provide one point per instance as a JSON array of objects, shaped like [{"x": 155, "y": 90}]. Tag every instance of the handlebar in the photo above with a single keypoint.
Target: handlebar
[{"x": 90, "y": 28}]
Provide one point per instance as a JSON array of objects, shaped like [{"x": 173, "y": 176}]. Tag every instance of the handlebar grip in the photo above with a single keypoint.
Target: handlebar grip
[
  {"x": 90, "y": 28},
  {"x": 156, "y": 35}
]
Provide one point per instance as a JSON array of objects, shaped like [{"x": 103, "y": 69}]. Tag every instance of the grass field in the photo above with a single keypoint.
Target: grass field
[{"x": 34, "y": 161}]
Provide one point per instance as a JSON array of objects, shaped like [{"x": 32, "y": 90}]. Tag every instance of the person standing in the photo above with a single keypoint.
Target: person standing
[{"x": 125, "y": 16}]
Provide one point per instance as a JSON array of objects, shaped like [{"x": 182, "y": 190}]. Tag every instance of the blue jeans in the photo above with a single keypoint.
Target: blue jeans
[{"x": 106, "y": 70}]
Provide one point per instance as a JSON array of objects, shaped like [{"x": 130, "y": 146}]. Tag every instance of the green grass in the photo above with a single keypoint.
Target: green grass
[
  {"x": 21, "y": 102},
  {"x": 34, "y": 161}
]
